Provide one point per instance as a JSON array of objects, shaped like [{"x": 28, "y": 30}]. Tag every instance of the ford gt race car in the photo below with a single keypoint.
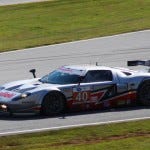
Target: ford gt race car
[{"x": 77, "y": 87}]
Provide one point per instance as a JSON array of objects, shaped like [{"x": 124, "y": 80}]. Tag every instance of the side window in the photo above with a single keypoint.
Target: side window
[{"x": 97, "y": 76}]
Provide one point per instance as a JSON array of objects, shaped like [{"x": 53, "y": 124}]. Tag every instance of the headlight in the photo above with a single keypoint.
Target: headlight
[{"x": 22, "y": 96}]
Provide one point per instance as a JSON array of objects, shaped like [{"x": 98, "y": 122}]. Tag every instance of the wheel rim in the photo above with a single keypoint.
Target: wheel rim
[{"x": 53, "y": 104}]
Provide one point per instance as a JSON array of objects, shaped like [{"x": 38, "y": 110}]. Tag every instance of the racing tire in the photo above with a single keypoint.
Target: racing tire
[
  {"x": 53, "y": 104},
  {"x": 144, "y": 94}
]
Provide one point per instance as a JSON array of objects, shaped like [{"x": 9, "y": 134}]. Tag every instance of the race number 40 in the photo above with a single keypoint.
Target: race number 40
[{"x": 81, "y": 96}]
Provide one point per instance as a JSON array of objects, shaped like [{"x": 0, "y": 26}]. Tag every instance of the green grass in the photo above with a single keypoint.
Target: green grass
[
  {"x": 121, "y": 136},
  {"x": 35, "y": 24}
]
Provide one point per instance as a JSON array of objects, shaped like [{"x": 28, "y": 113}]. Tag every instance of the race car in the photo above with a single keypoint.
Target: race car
[{"x": 75, "y": 88}]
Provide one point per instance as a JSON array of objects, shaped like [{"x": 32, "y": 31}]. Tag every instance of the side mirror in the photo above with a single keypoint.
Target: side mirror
[{"x": 33, "y": 72}]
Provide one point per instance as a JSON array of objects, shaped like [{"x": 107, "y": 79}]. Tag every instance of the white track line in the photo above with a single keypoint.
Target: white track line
[
  {"x": 15, "y": 2},
  {"x": 70, "y": 126}
]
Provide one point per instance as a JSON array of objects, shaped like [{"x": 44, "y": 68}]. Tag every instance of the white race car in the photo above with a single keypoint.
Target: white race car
[{"x": 77, "y": 87}]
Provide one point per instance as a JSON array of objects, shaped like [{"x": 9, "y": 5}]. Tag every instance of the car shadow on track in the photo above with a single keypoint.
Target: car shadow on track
[{"x": 27, "y": 116}]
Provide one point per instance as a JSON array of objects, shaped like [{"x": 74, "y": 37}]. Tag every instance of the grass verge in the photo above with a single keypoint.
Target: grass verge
[
  {"x": 121, "y": 136},
  {"x": 43, "y": 23}
]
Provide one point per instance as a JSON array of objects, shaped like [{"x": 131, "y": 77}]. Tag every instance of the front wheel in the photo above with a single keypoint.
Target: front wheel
[
  {"x": 144, "y": 94},
  {"x": 53, "y": 103}
]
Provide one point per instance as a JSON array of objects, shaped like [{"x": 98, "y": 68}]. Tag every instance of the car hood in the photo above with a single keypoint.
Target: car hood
[
  {"x": 17, "y": 88},
  {"x": 26, "y": 85}
]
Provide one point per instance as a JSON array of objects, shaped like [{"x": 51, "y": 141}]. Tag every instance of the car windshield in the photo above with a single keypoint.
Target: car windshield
[{"x": 58, "y": 77}]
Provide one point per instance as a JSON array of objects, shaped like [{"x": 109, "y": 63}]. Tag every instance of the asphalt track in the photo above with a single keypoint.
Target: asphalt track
[
  {"x": 111, "y": 51},
  {"x": 10, "y": 2}
]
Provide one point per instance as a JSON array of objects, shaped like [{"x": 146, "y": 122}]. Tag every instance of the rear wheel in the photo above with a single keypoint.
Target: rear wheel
[
  {"x": 53, "y": 103},
  {"x": 144, "y": 94}
]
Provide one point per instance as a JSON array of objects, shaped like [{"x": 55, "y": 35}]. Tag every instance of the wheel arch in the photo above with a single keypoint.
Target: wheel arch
[
  {"x": 55, "y": 91},
  {"x": 144, "y": 81}
]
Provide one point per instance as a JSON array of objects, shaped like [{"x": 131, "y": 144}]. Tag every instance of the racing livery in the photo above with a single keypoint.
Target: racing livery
[{"x": 77, "y": 87}]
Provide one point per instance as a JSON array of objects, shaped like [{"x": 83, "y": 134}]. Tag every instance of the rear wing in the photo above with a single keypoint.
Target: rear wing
[{"x": 138, "y": 62}]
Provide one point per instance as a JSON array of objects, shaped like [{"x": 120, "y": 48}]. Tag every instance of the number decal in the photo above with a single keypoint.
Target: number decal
[
  {"x": 82, "y": 96},
  {"x": 85, "y": 96}
]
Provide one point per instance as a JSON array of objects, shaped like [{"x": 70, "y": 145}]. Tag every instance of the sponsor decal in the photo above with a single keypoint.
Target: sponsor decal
[
  {"x": 72, "y": 71},
  {"x": 78, "y": 89},
  {"x": 7, "y": 94}
]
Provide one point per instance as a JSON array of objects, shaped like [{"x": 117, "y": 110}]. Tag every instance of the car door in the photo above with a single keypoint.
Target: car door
[{"x": 96, "y": 86}]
